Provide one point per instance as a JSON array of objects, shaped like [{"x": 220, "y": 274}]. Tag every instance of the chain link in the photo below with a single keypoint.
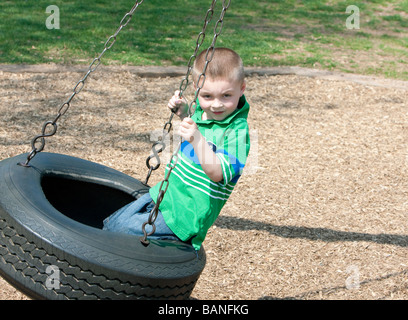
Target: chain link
[
  {"x": 38, "y": 142},
  {"x": 192, "y": 107}
]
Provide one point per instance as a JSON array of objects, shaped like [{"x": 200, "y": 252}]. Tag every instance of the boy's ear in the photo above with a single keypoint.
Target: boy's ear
[{"x": 243, "y": 87}]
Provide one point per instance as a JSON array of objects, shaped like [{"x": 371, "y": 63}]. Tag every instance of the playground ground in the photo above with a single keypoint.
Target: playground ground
[{"x": 321, "y": 210}]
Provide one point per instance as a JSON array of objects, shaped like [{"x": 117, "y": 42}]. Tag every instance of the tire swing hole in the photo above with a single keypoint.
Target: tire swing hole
[{"x": 85, "y": 202}]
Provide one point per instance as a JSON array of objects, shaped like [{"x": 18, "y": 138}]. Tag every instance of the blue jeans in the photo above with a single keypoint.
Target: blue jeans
[{"x": 130, "y": 218}]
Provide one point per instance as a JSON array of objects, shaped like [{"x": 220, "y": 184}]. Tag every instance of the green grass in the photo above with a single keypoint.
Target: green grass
[{"x": 266, "y": 33}]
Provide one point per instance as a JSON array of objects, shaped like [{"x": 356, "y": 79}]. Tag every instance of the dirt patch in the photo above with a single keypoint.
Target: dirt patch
[{"x": 321, "y": 210}]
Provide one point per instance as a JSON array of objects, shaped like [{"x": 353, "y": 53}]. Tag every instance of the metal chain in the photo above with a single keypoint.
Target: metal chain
[
  {"x": 208, "y": 57},
  {"x": 159, "y": 145},
  {"x": 199, "y": 85},
  {"x": 51, "y": 126},
  {"x": 199, "y": 42}
]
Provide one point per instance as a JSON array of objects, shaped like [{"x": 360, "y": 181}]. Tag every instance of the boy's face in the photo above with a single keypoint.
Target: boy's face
[{"x": 219, "y": 98}]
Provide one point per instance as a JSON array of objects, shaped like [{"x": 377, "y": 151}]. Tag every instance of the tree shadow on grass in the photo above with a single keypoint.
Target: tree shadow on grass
[{"x": 314, "y": 234}]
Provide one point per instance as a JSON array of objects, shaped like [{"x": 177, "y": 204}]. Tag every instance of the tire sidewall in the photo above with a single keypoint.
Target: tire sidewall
[{"x": 69, "y": 245}]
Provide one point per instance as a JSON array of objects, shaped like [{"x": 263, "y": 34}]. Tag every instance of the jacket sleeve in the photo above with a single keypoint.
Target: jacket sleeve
[{"x": 233, "y": 151}]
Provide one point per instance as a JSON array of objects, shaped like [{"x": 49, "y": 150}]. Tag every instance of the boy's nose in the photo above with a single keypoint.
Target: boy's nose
[{"x": 217, "y": 104}]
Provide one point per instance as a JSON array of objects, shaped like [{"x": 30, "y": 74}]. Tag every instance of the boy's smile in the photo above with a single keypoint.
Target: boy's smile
[{"x": 219, "y": 98}]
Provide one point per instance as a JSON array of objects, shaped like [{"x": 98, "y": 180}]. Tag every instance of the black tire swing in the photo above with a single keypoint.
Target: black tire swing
[{"x": 51, "y": 212}]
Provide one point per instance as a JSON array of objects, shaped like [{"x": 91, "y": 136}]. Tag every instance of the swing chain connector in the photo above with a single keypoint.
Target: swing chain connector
[
  {"x": 162, "y": 190},
  {"x": 157, "y": 148},
  {"x": 39, "y": 140}
]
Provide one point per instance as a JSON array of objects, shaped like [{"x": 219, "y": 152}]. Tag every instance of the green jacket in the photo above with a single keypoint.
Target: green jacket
[{"x": 192, "y": 201}]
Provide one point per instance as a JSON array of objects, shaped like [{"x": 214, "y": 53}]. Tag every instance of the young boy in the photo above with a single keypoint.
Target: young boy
[{"x": 211, "y": 158}]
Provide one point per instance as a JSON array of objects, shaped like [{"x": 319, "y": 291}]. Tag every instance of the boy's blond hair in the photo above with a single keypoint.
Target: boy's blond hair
[{"x": 225, "y": 64}]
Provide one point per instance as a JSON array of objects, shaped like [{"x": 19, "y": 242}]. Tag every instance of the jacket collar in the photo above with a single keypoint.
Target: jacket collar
[{"x": 241, "y": 112}]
